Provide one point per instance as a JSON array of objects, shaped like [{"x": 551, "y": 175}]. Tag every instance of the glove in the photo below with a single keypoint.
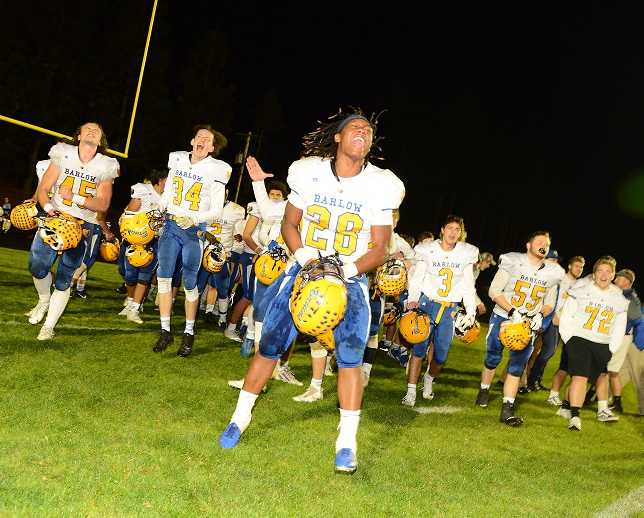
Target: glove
[
  {"x": 535, "y": 321},
  {"x": 184, "y": 222},
  {"x": 467, "y": 321},
  {"x": 514, "y": 315}
]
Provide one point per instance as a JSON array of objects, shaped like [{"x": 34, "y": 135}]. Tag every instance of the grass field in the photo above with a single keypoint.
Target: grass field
[{"x": 95, "y": 424}]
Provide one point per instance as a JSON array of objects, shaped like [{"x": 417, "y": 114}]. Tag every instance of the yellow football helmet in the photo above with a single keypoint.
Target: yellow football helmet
[
  {"x": 109, "y": 250},
  {"x": 466, "y": 331},
  {"x": 414, "y": 326},
  {"x": 270, "y": 264},
  {"x": 139, "y": 256},
  {"x": 214, "y": 257},
  {"x": 515, "y": 335},
  {"x": 61, "y": 232},
  {"x": 319, "y": 299},
  {"x": 23, "y": 216},
  {"x": 136, "y": 229},
  {"x": 391, "y": 277},
  {"x": 471, "y": 334}
]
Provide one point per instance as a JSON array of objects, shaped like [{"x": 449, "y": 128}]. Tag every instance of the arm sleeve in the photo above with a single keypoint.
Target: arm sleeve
[
  {"x": 498, "y": 283},
  {"x": 416, "y": 277},
  {"x": 617, "y": 333},
  {"x": 566, "y": 324},
  {"x": 469, "y": 293}
]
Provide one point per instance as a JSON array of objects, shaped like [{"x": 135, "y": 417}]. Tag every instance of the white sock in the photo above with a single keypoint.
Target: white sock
[
  {"x": 243, "y": 411},
  {"x": 134, "y": 306},
  {"x": 210, "y": 308},
  {"x": 508, "y": 399},
  {"x": 222, "y": 306},
  {"x": 57, "y": 305},
  {"x": 190, "y": 327},
  {"x": 258, "y": 331},
  {"x": 602, "y": 405},
  {"x": 165, "y": 324},
  {"x": 231, "y": 327},
  {"x": 373, "y": 342},
  {"x": 43, "y": 287},
  {"x": 366, "y": 367},
  {"x": 80, "y": 283},
  {"x": 485, "y": 386},
  {"x": 349, "y": 421},
  {"x": 411, "y": 389},
  {"x": 316, "y": 384},
  {"x": 554, "y": 393},
  {"x": 129, "y": 302}
]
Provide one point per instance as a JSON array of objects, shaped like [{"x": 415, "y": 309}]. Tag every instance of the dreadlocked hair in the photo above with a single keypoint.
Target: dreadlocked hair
[{"x": 320, "y": 141}]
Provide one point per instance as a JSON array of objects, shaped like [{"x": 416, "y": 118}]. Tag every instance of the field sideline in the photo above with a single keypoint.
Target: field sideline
[{"x": 95, "y": 424}]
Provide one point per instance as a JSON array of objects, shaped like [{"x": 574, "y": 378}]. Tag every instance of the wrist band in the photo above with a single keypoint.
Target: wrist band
[
  {"x": 48, "y": 207},
  {"x": 78, "y": 200},
  {"x": 304, "y": 255},
  {"x": 349, "y": 270}
]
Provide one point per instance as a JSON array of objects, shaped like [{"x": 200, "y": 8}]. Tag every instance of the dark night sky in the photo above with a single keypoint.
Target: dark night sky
[{"x": 515, "y": 117}]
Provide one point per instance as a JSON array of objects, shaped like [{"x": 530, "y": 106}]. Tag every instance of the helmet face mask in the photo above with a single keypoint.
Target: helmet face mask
[
  {"x": 214, "y": 257},
  {"x": 270, "y": 264},
  {"x": 61, "y": 232}
]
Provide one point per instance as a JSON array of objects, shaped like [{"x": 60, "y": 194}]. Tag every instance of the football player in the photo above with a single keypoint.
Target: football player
[
  {"x": 145, "y": 198},
  {"x": 575, "y": 269},
  {"x": 525, "y": 286},
  {"x": 442, "y": 277},
  {"x": 223, "y": 228},
  {"x": 592, "y": 325},
  {"x": 81, "y": 177},
  {"x": 340, "y": 205},
  {"x": 193, "y": 197}
]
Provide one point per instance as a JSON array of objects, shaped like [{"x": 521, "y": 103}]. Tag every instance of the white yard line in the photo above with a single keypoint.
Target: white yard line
[
  {"x": 71, "y": 326},
  {"x": 629, "y": 505},
  {"x": 437, "y": 409}
]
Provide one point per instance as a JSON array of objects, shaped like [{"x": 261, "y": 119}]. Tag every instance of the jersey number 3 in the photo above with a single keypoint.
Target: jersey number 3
[{"x": 346, "y": 230}]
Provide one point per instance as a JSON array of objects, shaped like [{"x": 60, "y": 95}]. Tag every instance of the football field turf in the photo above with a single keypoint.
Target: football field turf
[{"x": 94, "y": 423}]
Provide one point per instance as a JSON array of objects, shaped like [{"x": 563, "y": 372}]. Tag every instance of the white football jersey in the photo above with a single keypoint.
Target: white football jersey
[
  {"x": 41, "y": 167},
  {"x": 195, "y": 190},
  {"x": 224, "y": 226},
  {"x": 239, "y": 246},
  {"x": 565, "y": 284},
  {"x": 528, "y": 284},
  {"x": 253, "y": 210},
  {"x": 442, "y": 275},
  {"x": 592, "y": 313},
  {"x": 82, "y": 178},
  {"x": 150, "y": 199},
  {"x": 338, "y": 212},
  {"x": 398, "y": 244}
]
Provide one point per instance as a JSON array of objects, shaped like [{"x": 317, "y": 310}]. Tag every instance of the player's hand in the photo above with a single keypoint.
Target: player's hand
[
  {"x": 109, "y": 235},
  {"x": 514, "y": 315},
  {"x": 238, "y": 238},
  {"x": 467, "y": 321},
  {"x": 535, "y": 321},
  {"x": 412, "y": 304},
  {"x": 65, "y": 192},
  {"x": 481, "y": 309},
  {"x": 255, "y": 171}
]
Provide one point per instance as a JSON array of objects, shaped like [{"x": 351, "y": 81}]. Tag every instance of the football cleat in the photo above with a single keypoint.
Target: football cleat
[
  {"x": 383, "y": 345},
  {"x": 483, "y": 398},
  {"x": 606, "y": 416},
  {"x": 82, "y": 294},
  {"x": 134, "y": 316},
  {"x": 507, "y": 415},
  {"x": 345, "y": 461},
  {"x": 286, "y": 375},
  {"x": 38, "y": 313},
  {"x": 554, "y": 400},
  {"x": 233, "y": 335},
  {"x": 403, "y": 359},
  {"x": 574, "y": 424},
  {"x": 617, "y": 406},
  {"x": 427, "y": 388},
  {"x": 310, "y": 396},
  {"x": 564, "y": 412},
  {"x": 236, "y": 384},
  {"x": 165, "y": 339},
  {"x": 246, "y": 348},
  {"x": 230, "y": 436},
  {"x": 46, "y": 333},
  {"x": 125, "y": 310},
  {"x": 186, "y": 345},
  {"x": 409, "y": 400}
]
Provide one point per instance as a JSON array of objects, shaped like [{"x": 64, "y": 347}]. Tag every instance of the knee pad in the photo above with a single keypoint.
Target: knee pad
[
  {"x": 317, "y": 351},
  {"x": 164, "y": 285},
  {"x": 191, "y": 295}
]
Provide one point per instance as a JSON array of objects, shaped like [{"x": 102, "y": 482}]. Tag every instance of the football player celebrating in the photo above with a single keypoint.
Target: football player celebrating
[
  {"x": 81, "y": 178},
  {"x": 442, "y": 277},
  {"x": 339, "y": 208},
  {"x": 525, "y": 286},
  {"x": 145, "y": 198},
  {"x": 592, "y": 325},
  {"x": 193, "y": 197}
]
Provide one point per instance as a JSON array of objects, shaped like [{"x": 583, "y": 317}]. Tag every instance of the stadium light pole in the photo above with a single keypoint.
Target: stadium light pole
[{"x": 243, "y": 163}]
